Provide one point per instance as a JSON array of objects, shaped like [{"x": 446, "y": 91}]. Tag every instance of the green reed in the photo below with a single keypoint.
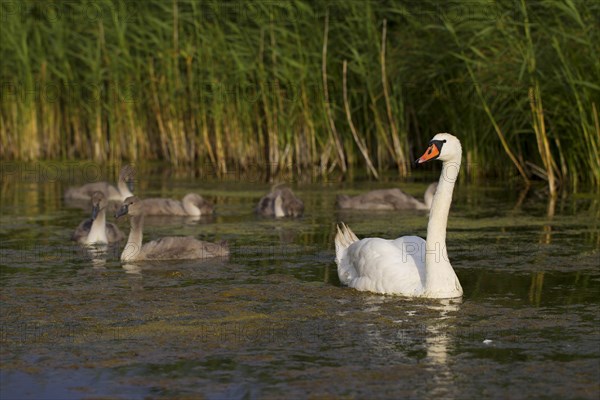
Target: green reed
[{"x": 305, "y": 87}]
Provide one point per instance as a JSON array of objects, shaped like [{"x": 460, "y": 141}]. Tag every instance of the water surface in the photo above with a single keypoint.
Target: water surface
[{"x": 273, "y": 321}]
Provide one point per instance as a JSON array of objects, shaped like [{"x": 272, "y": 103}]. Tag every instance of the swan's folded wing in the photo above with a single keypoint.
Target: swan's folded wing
[
  {"x": 265, "y": 205},
  {"x": 383, "y": 266},
  {"x": 82, "y": 231},
  {"x": 402, "y": 201},
  {"x": 181, "y": 248},
  {"x": 160, "y": 206},
  {"x": 85, "y": 192},
  {"x": 113, "y": 233}
]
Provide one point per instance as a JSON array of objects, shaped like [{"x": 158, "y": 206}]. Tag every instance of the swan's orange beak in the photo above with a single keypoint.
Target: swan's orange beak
[{"x": 431, "y": 153}]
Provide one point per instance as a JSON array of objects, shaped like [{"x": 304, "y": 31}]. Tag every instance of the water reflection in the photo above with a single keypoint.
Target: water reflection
[
  {"x": 133, "y": 269},
  {"x": 134, "y": 276},
  {"x": 401, "y": 331},
  {"x": 439, "y": 340},
  {"x": 97, "y": 254},
  {"x": 522, "y": 195},
  {"x": 439, "y": 330},
  {"x": 537, "y": 278}
]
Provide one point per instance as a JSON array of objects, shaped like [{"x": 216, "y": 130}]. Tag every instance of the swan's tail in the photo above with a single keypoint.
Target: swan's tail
[{"x": 343, "y": 239}]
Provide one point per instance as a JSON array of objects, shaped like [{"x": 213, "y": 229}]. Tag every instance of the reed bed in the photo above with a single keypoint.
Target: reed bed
[{"x": 306, "y": 87}]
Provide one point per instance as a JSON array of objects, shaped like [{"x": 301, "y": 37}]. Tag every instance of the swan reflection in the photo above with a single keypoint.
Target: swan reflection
[{"x": 402, "y": 331}]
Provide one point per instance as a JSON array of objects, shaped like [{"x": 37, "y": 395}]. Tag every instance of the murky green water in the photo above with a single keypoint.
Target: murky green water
[{"x": 273, "y": 320}]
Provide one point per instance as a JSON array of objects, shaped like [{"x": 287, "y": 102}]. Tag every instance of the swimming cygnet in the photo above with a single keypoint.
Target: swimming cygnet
[
  {"x": 111, "y": 193},
  {"x": 166, "y": 248},
  {"x": 192, "y": 205},
  {"x": 96, "y": 229},
  {"x": 281, "y": 202},
  {"x": 387, "y": 199}
]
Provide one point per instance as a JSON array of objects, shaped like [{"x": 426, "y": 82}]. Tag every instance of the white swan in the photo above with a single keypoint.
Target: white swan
[
  {"x": 96, "y": 229},
  {"x": 409, "y": 265},
  {"x": 120, "y": 193},
  {"x": 192, "y": 205},
  {"x": 386, "y": 199},
  {"x": 281, "y": 202},
  {"x": 167, "y": 248}
]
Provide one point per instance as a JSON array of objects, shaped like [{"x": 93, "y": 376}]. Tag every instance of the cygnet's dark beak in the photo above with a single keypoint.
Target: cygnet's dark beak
[
  {"x": 122, "y": 211},
  {"x": 95, "y": 210}
]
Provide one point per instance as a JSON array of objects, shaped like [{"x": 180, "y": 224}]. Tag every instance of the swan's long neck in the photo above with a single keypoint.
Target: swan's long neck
[
  {"x": 98, "y": 230},
  {"x": 124, "y": 189},
  {"x": 278, "y": 207},
  {"x": 134, "y": 241},
  {"x": 428, "y": 197},
  {"x": 441, "y": 281},
  {"x": 190, "y": 208}
]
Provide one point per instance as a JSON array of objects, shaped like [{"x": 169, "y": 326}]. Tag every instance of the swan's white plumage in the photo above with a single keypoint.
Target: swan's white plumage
[
  {"x": 372, "y": 264},
  {"x": 409, "y": 265}
]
